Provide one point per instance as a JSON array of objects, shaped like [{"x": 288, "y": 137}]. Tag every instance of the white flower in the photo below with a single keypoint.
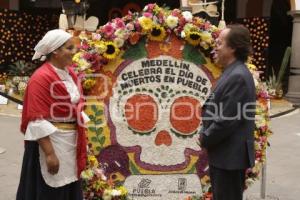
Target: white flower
[
  {"x": 106, "y": 195},
  {"x": 115, "y": 192},
  {"x": 96, "y": 36},
  {"x": 172, "y": 21},
  {"x": 83, "y": 64},
  {"x": 22, "y": 86},
  {"x": 16, "y": 79},
  {"x": 187, "y": 15},
  {"x": 120, "y": 33},
  {"x": 256, "y": 82},
  {"x": 119, "y": 42},
  {"x": 182, "y": 34}
]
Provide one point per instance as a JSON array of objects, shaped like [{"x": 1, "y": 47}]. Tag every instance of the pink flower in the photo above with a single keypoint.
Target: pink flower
[
  {"x": 84, "y": 46},
  {"x": 137, "y": 26},
  {"x": 147, "y": 14},
  {"x": 108, "y": 29},
  {"x": 119, "y": 23},
  {"x": 151, "y": 6},
  {"x": 176, "y": 12},
  {"x": 130, "y": 26}
]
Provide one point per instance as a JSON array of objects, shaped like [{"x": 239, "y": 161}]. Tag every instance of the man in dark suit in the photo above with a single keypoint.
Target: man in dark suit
[{"x": 228, "y": 116}]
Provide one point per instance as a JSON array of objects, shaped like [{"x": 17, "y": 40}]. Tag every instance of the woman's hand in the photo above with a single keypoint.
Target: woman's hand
[
  {"x": 52, "y": 163},
  {"x": 51, "y": 158}
]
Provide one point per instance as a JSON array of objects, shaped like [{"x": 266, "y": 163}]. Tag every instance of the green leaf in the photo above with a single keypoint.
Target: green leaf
[
  {"x": 99, "y": 112},
  {"x": 192, "y": 170},
  {"x": 133, "y": 168},
  {"x": 94, "y": 139},
  {"x": 136, "y": 51},
  {"x": 92, "y": 129},
  {"x": 283, "y": 67},
  {"x": 98, "y": 148},
  {"x": 92, "y": 117},
  {"x": 102, "y": 141},
  {"x": 99, "y": 130},
  {"x": 94, "y": 108},
  {"x": 193, "y": 55},
  {"x": 98, "y": 121}
]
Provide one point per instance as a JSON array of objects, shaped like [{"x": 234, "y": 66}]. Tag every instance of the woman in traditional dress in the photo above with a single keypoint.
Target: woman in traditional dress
[{"x": 52, "y": 121}]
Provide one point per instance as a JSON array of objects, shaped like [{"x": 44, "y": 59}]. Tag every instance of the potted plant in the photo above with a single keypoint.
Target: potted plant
[{"x": 274, "y": 82}]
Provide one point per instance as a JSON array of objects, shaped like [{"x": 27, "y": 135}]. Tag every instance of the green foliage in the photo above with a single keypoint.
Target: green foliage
[
  {"x": 275, "y": 82},
  {"x": 283, "y": 66},
  {"x": 96, "y": 128},
  {"x": 136, "y": 51},
  {"x": 133, "y": 168},
  {"x": 193, "y": 55},
  {"x": 21, "y": 68}
]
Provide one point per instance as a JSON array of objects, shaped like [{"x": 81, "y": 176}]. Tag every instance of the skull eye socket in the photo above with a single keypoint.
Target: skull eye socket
[
  {"x": 185, "y": 115},
  {"x": 141, "y": 112}
]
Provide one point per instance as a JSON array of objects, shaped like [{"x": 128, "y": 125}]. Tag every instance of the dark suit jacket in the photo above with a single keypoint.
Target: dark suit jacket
[{"x": 227, "y": 132}]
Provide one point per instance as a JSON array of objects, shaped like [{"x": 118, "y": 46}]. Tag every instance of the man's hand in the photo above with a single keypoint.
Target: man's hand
[
  {"x": 200, "y": 139},
  {"x": 52, "y": 163}
]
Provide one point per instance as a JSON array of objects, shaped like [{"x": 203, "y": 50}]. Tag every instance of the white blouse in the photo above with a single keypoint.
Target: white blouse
[{"x": 64, "y": 142}]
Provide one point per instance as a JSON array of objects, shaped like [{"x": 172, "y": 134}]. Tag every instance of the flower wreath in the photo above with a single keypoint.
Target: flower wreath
[{"x": 156, "y": 24}]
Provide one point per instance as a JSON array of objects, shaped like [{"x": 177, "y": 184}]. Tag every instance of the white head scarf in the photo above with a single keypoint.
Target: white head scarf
[{"x": 50, "y": 42}]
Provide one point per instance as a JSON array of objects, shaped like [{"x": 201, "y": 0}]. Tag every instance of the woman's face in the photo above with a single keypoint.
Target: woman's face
[{"x": 65, "y": 53}]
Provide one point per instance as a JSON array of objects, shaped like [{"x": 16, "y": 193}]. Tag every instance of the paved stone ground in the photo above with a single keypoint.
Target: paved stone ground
[{"x": 283, "y": 164}]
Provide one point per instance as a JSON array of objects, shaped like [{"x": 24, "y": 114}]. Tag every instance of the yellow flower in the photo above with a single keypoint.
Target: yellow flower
[
  {"x": 88, "y": 83},
  {"x": 206, "y": 37},
  {"x": 193, "y": 37},
  {"x": 111, "y": 50},
  {"x": 214, "y": 28},
  {"x": 87, "y": 174},
  {"x": 91, "y": 158},
  {"x": 204, "y": 45},
  {"x": 251, "y": 67},
  {"x": 157, "y": 33},
  {"x": 100, "y": 46},
  {"x": 123, "y": 190},
  {"x": 188, "y": 27},
  {"x": 77, "y": 56},
  {"x": 146, "y": 23}
]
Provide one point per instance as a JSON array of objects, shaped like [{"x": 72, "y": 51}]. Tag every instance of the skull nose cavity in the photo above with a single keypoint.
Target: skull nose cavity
[{"x": 163, "y": 137}]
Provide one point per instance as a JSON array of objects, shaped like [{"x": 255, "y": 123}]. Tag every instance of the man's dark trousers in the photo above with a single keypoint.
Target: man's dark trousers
[{"x": 227, "y": 184}]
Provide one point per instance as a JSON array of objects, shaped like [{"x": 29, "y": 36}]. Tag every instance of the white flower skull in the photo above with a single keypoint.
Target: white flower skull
[{"x": 156, "y": 108}]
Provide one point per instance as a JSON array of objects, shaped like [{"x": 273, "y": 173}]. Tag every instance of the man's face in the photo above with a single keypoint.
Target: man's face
[{"x": 224, "y": 53}]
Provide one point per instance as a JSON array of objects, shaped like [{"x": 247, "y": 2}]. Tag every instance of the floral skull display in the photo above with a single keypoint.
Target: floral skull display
[{"x": 156, "y": 109}]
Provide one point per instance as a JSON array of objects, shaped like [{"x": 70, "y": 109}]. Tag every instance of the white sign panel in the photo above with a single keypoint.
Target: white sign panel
[{"x": 157, "y": 187}]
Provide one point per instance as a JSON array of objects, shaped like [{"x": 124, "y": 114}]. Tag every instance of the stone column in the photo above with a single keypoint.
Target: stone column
[{"x": 294, "y": 77}]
